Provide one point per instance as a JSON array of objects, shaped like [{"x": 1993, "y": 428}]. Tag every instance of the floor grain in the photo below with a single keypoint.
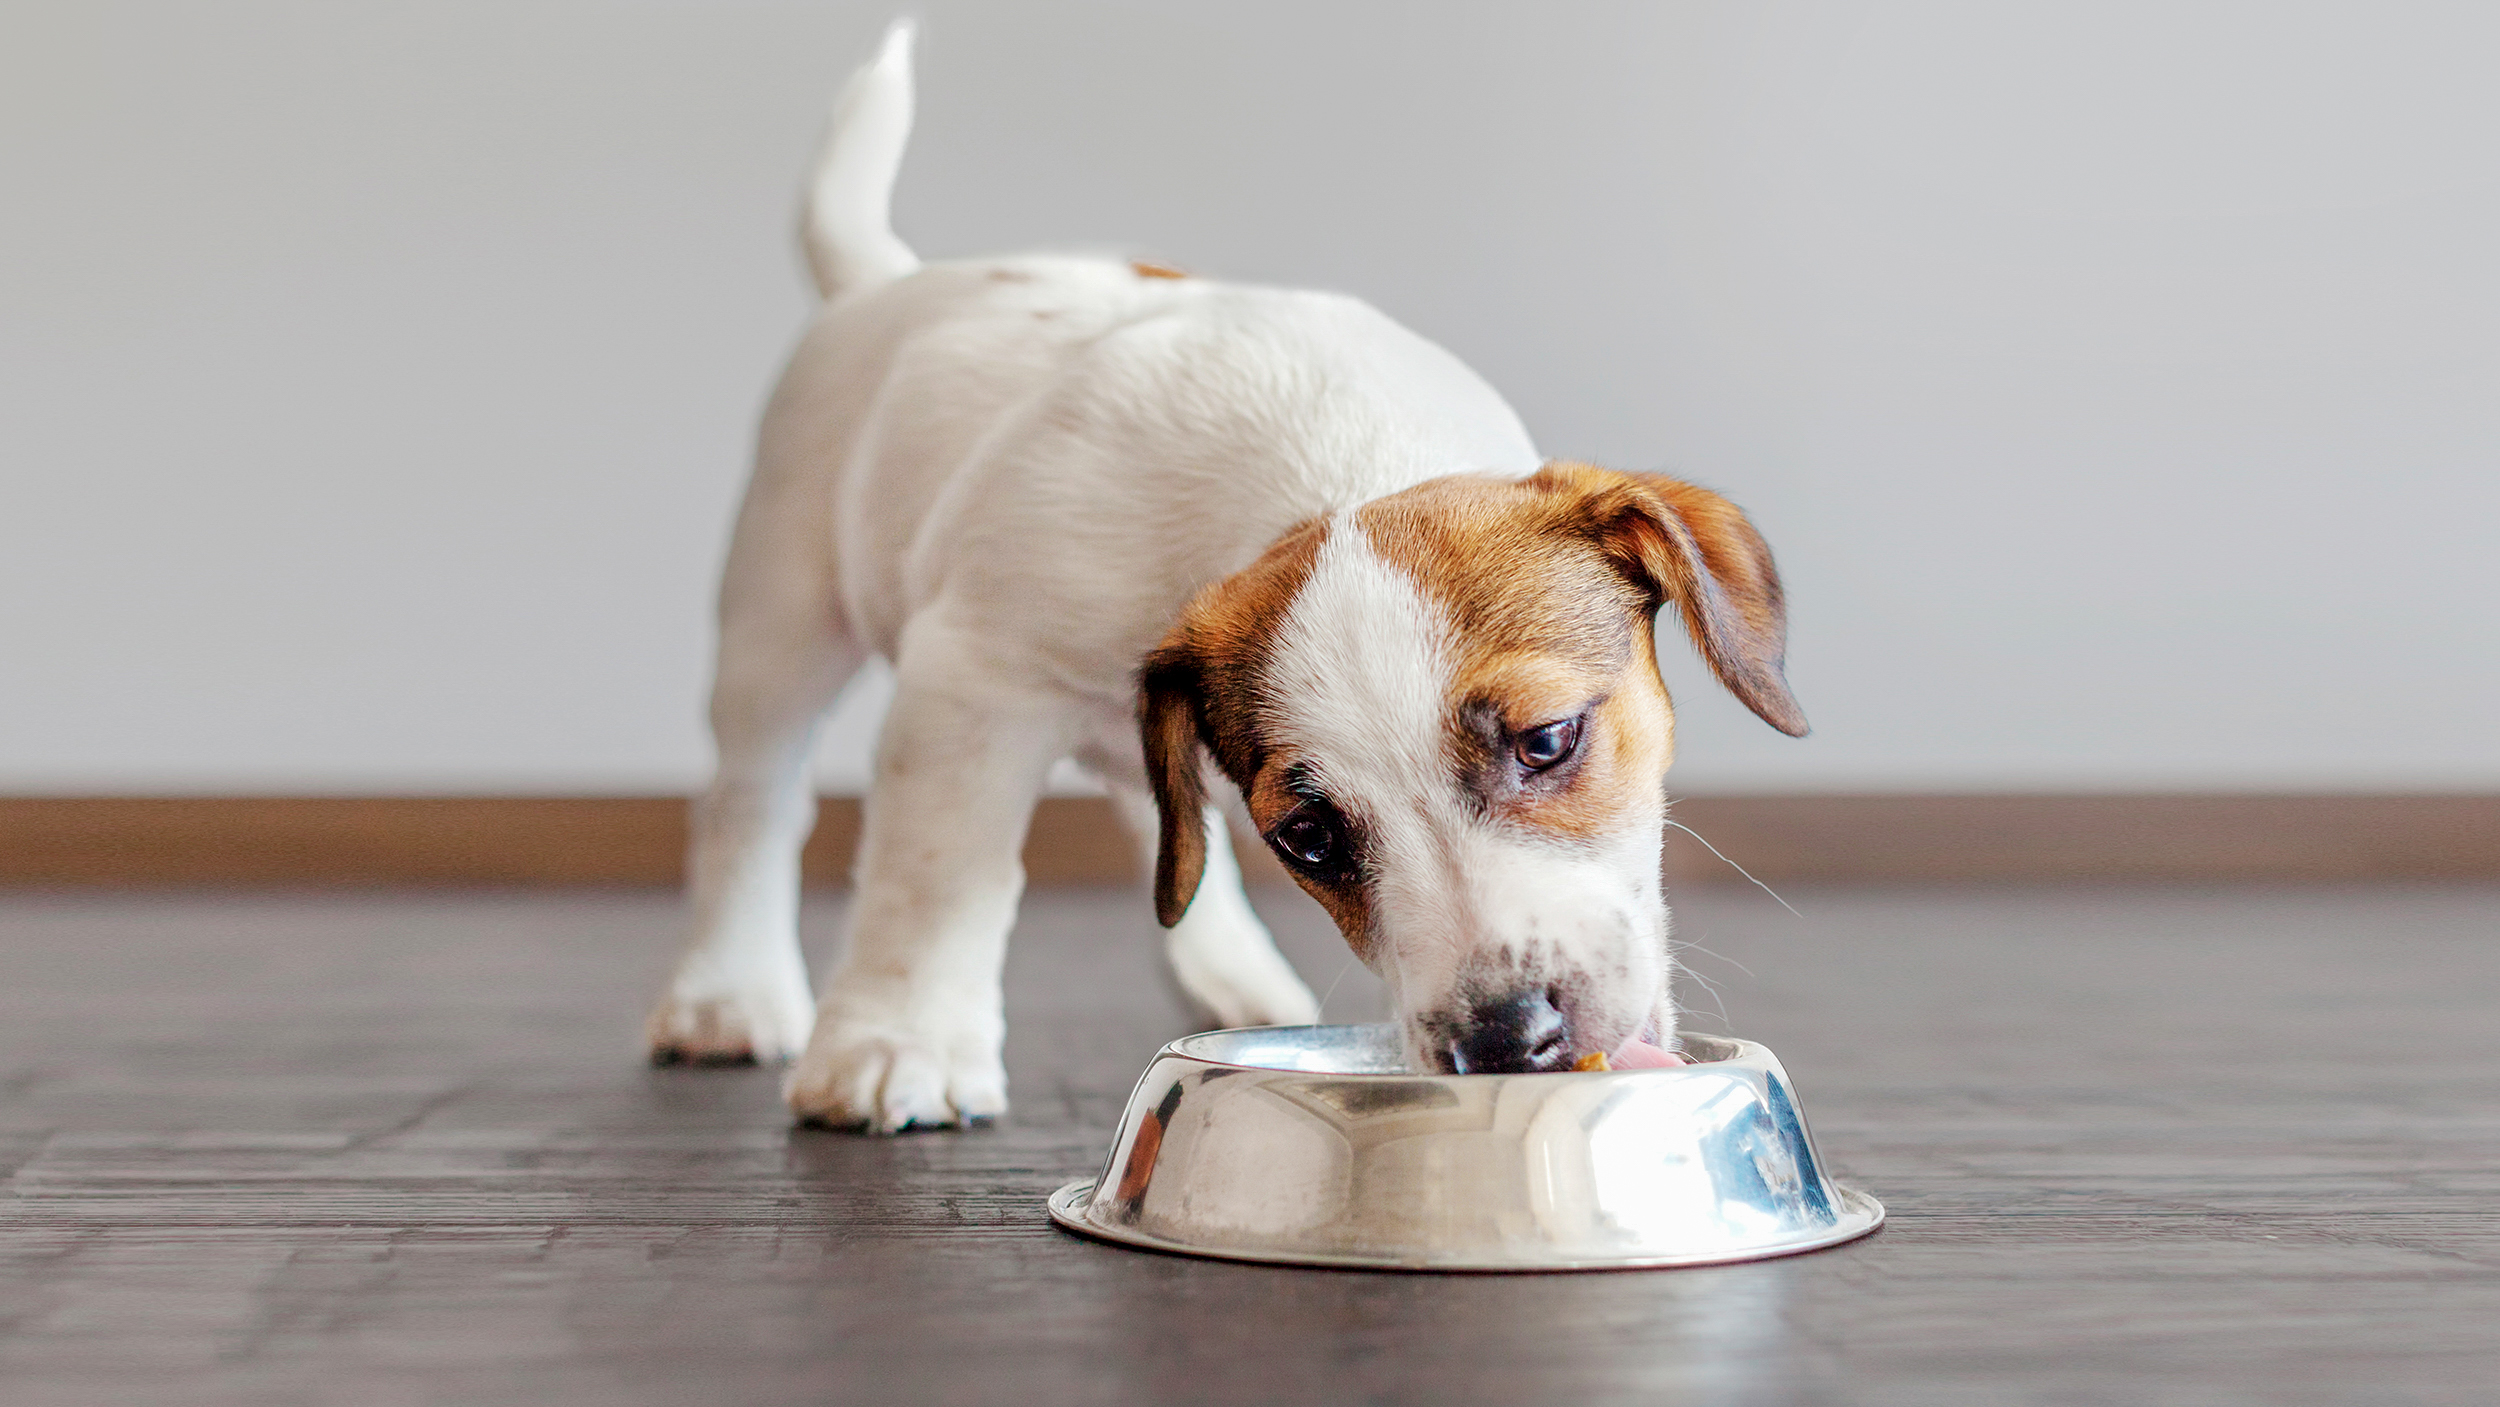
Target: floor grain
[{"x": 2139, "y": 1145}]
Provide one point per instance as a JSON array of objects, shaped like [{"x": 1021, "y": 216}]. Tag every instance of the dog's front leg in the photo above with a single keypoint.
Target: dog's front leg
[
  {"x": 1221, "y": 954},
  {"x": 910, "y": 1029}
]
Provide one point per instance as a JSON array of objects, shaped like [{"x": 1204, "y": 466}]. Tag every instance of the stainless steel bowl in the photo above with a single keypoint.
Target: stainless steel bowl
[{"x": 1313, "y": 1145}]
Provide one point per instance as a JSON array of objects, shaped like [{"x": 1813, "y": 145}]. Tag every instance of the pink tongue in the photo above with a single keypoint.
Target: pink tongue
[{"x": 1638, "y": 1054}]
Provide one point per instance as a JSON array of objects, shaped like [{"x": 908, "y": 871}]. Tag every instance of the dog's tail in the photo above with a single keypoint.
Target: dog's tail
[{"x": 845, "y": 226}]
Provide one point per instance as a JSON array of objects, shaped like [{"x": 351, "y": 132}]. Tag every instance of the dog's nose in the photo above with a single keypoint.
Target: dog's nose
[{"x": 1512, "y": 1035}]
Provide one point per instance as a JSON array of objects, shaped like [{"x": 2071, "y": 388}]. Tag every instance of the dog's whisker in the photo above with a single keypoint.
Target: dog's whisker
[
  {"x": 1332, "y": 987},
  {"x": 1717, "y": 998},
  {"x": 1731, "y": 864},
  {"x": 1679, "y": 947}
]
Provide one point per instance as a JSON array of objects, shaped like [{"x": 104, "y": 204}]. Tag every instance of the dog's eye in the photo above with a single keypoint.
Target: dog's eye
[
  {"x": 1542, "y": 747},
  {"x": 1311, "y": 838}
]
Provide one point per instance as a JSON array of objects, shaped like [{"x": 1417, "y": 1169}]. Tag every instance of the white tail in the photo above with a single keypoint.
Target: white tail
[{"x": 846, "y": 225}]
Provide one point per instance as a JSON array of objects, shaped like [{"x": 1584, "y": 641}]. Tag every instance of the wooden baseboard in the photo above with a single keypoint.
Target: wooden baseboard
[
  {"x": 379, "y": 840},
  {"x": 364, "y": 840},
  {"x": 2186, "y": 837}
]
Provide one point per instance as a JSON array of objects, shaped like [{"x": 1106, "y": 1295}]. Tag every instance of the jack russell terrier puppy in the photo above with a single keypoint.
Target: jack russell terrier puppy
[{"x": 1173, "y": 527}]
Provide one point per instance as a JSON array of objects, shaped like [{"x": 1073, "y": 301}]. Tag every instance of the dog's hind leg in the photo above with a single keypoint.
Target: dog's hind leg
[
  {"x": 741, "y": 992},
  {"x": 910, "y": 1031},
  {"x": 1221, "y": 954}
]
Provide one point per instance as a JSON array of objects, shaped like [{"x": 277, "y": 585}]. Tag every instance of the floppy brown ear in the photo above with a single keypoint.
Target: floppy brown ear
[
  {"x": 1167, "y": 722},
  {"x": 1689, "y": 546}
]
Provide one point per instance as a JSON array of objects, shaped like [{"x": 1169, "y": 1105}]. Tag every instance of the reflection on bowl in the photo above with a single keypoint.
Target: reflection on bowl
[{"x": 1314, "y": 1145}]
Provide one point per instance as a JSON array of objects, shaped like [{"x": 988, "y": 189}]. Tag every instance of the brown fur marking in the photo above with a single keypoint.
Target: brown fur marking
[
  {"x": 1546, "y": 628},
  {"x": 1202, "y": 688},
  {"x": 1682, "y": 544},
  {"x": 1216, "y": 659}
]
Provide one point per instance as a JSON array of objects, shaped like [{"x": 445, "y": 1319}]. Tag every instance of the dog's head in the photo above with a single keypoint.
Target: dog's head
[{"x": 1445, "y": 714}]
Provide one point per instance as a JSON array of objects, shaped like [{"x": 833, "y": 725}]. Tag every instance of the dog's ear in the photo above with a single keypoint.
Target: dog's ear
[
  {"x": 1686, "y": 545},
  {"x": 1167, "y": 720}
]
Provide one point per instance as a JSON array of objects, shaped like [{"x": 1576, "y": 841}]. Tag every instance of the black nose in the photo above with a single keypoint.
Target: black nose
[{"x": 1511, "y": 1035}]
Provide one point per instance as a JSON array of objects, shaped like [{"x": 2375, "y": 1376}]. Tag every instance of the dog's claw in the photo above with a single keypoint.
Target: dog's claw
[
  {"x": 886, "y": 1081},
  {"x": 668, "y": 1055},
  {"x": 706, "y": 1022}
]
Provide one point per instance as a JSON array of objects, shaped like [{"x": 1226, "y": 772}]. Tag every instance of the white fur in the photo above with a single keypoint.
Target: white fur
[
  {"x": 1362, "y": 678},
  {"x": 1008, "y": 476},
  {"x": 844, "y": 227}
]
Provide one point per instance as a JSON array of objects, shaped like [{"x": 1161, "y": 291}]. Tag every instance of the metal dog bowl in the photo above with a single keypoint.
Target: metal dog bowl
[{"x": 1312, "y": 1145}]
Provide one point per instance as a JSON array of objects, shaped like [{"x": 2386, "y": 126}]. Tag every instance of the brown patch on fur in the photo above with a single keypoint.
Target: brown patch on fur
[
  {"x": 1148, "y": 268},
  {"x": 1269, "y": 796},
  {"x": 1011, "y": 276},
  {"x": 1546, "y": 629},
  {"x": 1529, "y": 689},
  {"x": 1489, "y": 548},
  {"x": 1686, "y": 545},
  {"x": 1202, "y": 688}
]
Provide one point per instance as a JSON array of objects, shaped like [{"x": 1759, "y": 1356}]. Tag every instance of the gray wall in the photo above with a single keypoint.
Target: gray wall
[{"x": 2119, "y": 383}]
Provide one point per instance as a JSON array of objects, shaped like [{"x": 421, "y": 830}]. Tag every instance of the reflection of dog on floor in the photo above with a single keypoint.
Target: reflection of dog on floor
[{"x": 1172, "y": 527}]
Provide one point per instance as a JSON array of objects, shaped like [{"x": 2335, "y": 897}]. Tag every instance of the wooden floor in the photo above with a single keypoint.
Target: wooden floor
[{"x": 2140, "y": 1146}]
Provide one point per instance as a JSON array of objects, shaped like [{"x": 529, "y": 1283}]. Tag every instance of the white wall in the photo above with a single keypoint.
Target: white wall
[{"x": 2119, "y": 383}]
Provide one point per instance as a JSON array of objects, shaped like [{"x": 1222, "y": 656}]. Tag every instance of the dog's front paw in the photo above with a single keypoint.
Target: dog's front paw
[
  {"x": 710, "y": 1017},
  {"x": 885, "y": 1077}
]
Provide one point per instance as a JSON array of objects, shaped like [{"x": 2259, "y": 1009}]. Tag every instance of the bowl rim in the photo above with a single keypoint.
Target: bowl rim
[
  {"x": 1739, "y": 1051},
  {"x": 1070, "y": 1209}
]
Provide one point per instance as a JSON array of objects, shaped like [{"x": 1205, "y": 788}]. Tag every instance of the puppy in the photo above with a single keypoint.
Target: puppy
[{"x": 1173, "y": 527}]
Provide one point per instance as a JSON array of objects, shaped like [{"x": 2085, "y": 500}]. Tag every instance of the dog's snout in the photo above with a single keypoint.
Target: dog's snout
[{"x": 1513, "y": 1034}]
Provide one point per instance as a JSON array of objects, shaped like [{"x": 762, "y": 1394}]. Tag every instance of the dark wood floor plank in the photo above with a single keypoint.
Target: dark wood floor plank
[{"x": 2190, "y": 1145}]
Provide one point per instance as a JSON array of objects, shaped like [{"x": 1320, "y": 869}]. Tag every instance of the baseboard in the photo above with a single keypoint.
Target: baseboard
[
  {"x": 2186, "y": 837},
  {"x": 379, "y": 840}
]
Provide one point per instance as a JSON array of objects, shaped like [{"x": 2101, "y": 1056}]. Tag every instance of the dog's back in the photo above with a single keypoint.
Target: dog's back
[{"x": 1073, "y": 446}]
